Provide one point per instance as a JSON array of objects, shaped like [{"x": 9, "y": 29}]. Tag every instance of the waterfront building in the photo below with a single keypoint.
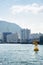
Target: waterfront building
[
  {"x": 12, "y": 38},
  {"x": 34, "y": 36},
  {"x": 5, "y": 36},
  {"x": 1, "y": 37},
  {"x": 25, "y": 33}
]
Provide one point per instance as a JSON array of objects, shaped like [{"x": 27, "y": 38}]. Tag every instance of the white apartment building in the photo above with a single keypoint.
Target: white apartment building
[{"x": 25, "y": 33}]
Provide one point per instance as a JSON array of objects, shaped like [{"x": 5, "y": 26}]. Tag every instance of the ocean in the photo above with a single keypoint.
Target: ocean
[{"x": 20, "y": 54}]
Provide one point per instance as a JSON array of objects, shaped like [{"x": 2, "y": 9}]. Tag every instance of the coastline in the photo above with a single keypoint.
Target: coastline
[{"x": 18, "y": 43}]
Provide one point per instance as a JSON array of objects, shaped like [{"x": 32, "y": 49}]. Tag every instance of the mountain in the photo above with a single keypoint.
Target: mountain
[{"x": 9, "y": 27}]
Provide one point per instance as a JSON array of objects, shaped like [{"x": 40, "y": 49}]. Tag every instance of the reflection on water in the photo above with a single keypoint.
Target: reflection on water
[{"x": 18, "y": 54}]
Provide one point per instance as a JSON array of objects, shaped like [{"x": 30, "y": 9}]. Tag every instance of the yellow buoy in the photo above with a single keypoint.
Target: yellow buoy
[
  {"x": 36, "y": 49},
  {"x": 36, "y": 46}
]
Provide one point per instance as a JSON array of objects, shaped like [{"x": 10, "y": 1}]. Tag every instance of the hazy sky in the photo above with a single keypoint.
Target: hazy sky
[{"x": 25, "y": 13}]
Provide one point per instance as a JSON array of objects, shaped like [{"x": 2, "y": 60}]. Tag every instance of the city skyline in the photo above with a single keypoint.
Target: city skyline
[{"x": 25, "y": 13}]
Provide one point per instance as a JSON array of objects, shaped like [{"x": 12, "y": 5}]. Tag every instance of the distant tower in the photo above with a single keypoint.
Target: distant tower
[{"x": 25, "y": 33}]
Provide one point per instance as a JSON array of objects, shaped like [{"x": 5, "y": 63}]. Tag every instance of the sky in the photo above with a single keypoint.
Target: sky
[{"x": 25, "y": 13}]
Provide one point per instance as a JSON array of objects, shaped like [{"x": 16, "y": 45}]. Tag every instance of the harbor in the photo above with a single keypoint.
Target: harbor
[{"x": 18, "y": 54}]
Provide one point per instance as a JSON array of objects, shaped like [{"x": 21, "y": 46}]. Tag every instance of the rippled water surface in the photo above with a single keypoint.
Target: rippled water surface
[{"x": 20, "y": 54}]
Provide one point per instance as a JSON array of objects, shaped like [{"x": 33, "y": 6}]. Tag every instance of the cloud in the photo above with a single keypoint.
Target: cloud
[{"x": 33, "y": 8}]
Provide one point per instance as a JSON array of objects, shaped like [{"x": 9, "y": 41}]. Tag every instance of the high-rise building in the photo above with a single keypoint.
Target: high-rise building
[{"x": 25, "y": 33}]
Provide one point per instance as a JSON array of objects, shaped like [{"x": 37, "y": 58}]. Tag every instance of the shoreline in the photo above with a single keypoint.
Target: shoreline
[{"x": 18, "y": 43}]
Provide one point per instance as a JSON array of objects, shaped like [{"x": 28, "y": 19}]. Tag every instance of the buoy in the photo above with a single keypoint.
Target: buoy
[
  {"x": 36, "y": 46},
  {"x": 36, "y": 49}
]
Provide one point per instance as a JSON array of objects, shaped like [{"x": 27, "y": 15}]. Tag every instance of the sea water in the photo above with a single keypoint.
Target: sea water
[{"x": 20, "y": 54}]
